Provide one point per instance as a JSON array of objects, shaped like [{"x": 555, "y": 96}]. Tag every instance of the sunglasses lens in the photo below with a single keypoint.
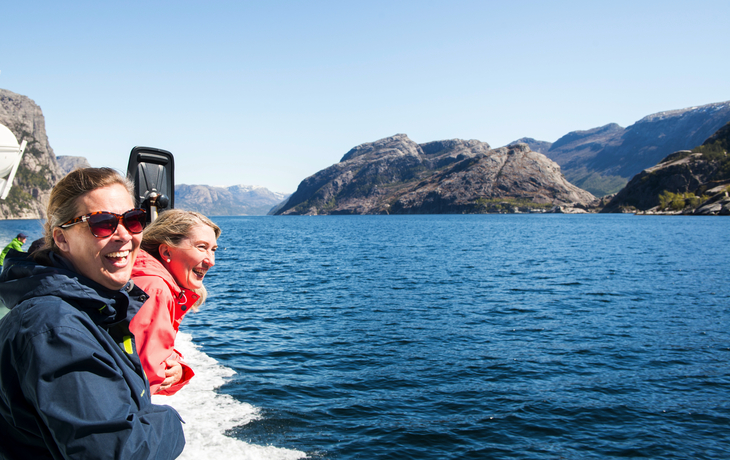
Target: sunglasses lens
[
  {"x": 135, "y": 221},
  {"x": 102, "y": 224}
]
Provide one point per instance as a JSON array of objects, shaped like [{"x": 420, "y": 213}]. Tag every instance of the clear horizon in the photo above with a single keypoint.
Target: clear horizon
[{"x": 268, "y": 94}]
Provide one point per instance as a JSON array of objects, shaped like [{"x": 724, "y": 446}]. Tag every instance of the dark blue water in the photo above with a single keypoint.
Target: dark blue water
[
  {"x": 481, "y": 336},
  {"x": 484, "y": 336}
]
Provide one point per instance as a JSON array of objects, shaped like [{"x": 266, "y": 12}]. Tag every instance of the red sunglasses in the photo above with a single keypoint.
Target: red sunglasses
[{"x": 103, "y": 224}]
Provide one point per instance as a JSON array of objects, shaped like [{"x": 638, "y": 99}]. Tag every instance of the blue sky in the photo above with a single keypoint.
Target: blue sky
[{"x": 270, "y": 92}]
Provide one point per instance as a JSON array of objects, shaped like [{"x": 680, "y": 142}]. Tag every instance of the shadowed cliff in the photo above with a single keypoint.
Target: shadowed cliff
[
  {"x": 693, "y": 181},
  {"x": 602, "y": 160}
]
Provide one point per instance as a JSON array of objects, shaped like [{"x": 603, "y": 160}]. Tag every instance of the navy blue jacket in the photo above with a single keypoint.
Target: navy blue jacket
[{"x": 71, "y": 383}]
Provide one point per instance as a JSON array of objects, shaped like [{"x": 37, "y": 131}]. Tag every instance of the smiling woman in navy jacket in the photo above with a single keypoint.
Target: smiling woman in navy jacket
[{"x": 71, "y": 382}]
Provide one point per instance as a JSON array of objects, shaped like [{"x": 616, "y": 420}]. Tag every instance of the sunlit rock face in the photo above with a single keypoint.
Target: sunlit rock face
[
  {"x": 38, "y": 170},
  {"x": 397, "y": 176}
]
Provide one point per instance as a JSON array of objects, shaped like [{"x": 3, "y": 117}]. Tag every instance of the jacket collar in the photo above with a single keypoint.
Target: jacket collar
[
  {"x": 23, "y": 278},
  {"x": 146, "y": 265}
]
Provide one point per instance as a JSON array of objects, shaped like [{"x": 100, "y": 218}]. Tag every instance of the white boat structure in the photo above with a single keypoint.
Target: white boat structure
[{"x": 10, "y": 155}]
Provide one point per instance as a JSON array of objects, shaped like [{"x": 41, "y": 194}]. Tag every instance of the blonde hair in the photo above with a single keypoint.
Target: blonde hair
[
  {"x": 63, "y": 202},
  {"x": 170, "y": 228}
]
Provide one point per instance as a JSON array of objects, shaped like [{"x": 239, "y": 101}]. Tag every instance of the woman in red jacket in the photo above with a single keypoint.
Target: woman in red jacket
[{"x": 178, "y": 249}]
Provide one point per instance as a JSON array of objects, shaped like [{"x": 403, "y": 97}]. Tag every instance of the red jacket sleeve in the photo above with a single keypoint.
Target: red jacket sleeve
[
  {"x": 155, "y": 334},
  {"x": 184, "y": 380}
]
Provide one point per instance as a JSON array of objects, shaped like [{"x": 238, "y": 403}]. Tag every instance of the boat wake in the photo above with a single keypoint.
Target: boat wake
[{"x": 209, "y": 414}]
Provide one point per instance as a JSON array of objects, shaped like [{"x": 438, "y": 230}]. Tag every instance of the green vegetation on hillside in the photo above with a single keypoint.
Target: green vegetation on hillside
[
  {"x": 18, "y": 200},
  {"x": 597, "y": 184},
  {"x": 679, "y": 201},
  {"x": 676, "y": 156},
  {"x": 716, "y": 152},
  {"x": 33, "y": 147},
  {"x": 715, "y": 149},
  {"x": 33, "y": 179},
  {"x": 330, "y": 205}
]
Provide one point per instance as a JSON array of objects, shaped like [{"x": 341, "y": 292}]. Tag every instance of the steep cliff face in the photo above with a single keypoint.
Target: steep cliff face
[
  {"x": 38, "y": 170},
  {"x": 397, "y": 176}
]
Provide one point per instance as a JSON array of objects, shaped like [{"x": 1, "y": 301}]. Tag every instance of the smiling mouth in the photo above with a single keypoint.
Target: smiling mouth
[
  {"x": 199, "y": 272},
  {"x": 120, "y": 255}
]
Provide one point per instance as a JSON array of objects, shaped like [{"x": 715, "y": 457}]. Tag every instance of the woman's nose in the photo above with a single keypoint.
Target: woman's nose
[{"x": 122, "y": 233}]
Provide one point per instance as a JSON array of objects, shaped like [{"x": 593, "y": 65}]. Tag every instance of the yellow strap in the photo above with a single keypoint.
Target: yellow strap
[{"x": 128, "y": 344}]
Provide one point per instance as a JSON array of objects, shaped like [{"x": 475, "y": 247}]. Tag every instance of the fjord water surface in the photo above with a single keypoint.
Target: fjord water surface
[
  {"x": 462, "y": 337},
  {"x": 479, "y": 336}
]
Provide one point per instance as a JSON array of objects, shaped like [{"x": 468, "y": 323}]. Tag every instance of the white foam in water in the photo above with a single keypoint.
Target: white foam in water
[{"x": 208, "y": 414}]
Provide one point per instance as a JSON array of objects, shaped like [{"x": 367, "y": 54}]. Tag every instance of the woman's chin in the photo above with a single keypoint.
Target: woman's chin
[{"x": 193, "y": 285}]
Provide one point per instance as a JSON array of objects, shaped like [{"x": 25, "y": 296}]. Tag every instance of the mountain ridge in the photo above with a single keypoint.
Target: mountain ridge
[
  {"x": 598, "y": 159},
  {"x": 394, "y": 175},
  {"x": 602, "y": 160},
  {"x": 235, "y": 200}
]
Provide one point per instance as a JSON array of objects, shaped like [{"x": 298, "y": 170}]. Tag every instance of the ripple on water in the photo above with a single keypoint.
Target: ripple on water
[{"x": 515, "y": 337}]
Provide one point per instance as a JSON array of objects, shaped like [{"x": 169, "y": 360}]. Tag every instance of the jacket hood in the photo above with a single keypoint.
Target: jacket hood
[{"x": 23, "y": 278}]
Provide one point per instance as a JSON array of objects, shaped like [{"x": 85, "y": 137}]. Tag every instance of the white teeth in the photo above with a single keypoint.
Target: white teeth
[{"x": 116, "y": 255}]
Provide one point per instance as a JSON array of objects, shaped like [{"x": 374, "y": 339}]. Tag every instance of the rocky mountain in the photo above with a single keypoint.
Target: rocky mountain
[
  {"x": 693, "y": 181},
  {"x": 397, "y": 176},
  {"x": 69, "y": 163},
  {"x": 237, "y": 200},
  {"x": 38, "y": 170},
  {"x": 602, "y": 160},
  {"x": 535, "y": 145}
]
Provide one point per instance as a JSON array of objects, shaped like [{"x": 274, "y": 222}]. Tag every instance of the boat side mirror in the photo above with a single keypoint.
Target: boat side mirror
[{"x": 152, "y": 171}]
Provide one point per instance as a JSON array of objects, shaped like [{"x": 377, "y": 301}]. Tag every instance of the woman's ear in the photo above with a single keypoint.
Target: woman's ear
[
  {"x": 164, "y": 251},
  {"x": 60, "y": 238}
]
